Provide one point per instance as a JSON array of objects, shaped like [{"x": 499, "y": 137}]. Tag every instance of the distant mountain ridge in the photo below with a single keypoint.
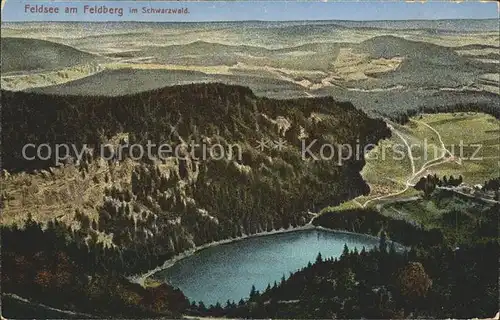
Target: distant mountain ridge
[
  {"x": 25, "y": 55},
  {"x": 462, "y": 25}
]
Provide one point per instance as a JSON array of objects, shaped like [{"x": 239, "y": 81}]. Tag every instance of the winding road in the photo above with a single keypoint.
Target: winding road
[{"x": 415, "y": 174}]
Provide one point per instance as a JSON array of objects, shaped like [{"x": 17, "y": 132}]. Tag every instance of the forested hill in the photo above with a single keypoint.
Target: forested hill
[
  {"x": 233, "y": 113},
  {"x": 150, "y": 209}
]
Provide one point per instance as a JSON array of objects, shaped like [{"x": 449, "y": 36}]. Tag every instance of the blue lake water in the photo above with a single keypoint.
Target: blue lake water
[{"x": 228, "y": 271}]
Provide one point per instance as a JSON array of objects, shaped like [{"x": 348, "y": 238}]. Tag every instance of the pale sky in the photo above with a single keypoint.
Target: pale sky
[{"x": 14, "y": 10}]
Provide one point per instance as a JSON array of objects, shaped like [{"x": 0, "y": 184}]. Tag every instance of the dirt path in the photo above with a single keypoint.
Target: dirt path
[
  {"x": 410, "y": 154},
  {"x": 43, "y": 306},
  {"x": 443, "y": 146},
  {"x": 415, "y": 174}
]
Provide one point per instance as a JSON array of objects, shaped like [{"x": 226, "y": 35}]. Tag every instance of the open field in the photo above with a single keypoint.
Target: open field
[
  {"x": 466, "y": 144},
  {"x": 474, "y": 140},
  {"x": 48, "y": 78}
]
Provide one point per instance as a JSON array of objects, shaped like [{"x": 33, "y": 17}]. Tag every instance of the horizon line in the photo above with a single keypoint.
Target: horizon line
[{"x": 252, "y": 20}]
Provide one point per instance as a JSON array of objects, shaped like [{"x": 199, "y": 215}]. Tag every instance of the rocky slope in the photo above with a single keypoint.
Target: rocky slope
[{"x": 149, "y": 209}]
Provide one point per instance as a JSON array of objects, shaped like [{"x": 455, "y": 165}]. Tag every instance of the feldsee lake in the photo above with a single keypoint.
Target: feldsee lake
[{"x": 228, "y": 271}]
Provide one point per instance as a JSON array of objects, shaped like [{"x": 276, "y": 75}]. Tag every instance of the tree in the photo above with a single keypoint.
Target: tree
[
  {"x": 346, "y": 280},
  {"x": 345, "y": 252},
  {"x": 217, "y": 310},
  {"x": 445, "y": 181},
  {"x": 414, "y": 281},
  {"x": 382, "y": 245},
  {"x": 392, "y": 249},
  {"x": 420, "y": 185},
  {"x": 202, "y": 307},
  {"x": 268, "y": 288},
  {"x": 319, "y": 258},
  {"x": 253, "y": 292}
]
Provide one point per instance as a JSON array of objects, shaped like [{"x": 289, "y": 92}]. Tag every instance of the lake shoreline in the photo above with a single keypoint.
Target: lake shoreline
[{"x": 141, "y": 278}]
